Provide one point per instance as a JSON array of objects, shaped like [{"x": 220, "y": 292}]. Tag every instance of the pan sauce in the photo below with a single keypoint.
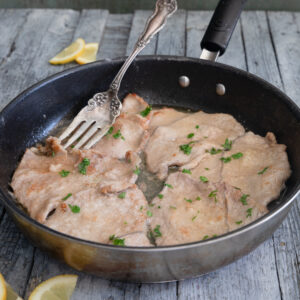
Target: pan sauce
[{"x": 201, "y": 174}]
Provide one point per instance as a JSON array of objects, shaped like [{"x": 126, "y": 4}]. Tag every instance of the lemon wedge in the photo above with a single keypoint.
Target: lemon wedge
[
  {"x": 89, "y": 54},
  {"x": 56, "y": 288},
  {"x": 69, "y": 54},
  {"x": 2, "y": 288}
]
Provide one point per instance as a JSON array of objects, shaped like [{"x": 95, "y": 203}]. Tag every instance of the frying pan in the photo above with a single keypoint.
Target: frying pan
[{"x": 258, "y": 105}]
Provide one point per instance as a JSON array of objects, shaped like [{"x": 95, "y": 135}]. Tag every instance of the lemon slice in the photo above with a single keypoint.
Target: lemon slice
[
  {"x": 56, "y": 288},
  {"x": 69, "y": 54},
  {"x": 89, "y": 53},
  {"x": 2, "y": 288}
]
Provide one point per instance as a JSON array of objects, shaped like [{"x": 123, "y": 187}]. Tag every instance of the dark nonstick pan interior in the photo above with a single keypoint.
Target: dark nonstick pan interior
[{"x": 260, "y": 107}]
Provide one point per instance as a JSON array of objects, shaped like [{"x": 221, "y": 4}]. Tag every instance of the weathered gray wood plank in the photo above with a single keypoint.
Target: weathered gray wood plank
[
  {"x": 197, "y": 22},
  {"x": 171, "y": 40},
  {"x": 196, "y": 25},
  {"x": 59, "y": 34},
  {"x": 285, "y": 31},
  {"x": 262, "y": 61},
  {"x": 16, "y": 255},
  {"x": 260, "y": 53},
  {"x": 114, "y": 41},
  {"x": 138, "y": 24},
  {"x": 162, "y": 291},
  {"x": 91, "y": 25},
  {"x": 13, "y": 71},
  {"x": 253, "y": 278},
  {"x": 10, "y": 23}
]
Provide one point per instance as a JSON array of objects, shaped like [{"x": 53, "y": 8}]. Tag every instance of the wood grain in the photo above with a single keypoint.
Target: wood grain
[
  {"x": 285, "y": 30},
  {"x": 140, "y": 18},
  {"x": 171, "y": 40},
  {"x": 114, "y": 41}
]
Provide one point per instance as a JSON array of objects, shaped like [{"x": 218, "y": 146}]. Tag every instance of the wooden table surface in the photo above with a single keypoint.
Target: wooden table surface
[{"x": 264, "y": 43}]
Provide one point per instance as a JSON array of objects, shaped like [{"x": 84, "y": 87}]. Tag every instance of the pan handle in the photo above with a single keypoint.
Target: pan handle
[{"x": 220, "y": 28}]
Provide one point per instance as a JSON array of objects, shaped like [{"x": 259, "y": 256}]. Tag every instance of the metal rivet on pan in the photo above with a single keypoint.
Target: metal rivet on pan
[
  {"x": 220, "y": 89},
  {"x": 184, "y": 81}
]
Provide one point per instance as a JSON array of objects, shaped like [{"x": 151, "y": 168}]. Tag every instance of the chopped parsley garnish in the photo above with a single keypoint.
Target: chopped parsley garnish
[
  {"x": 146, "y": 111},
  {"x": 190, "y": 135},
  {"x": 249, "y": 212},
  {"x": 173, "y": 207},
  {"x": 160, "y": 196},
  {"x": 187, "y": 171},
  {"x": 263, "y": 171},
  {"x": 149, "y": 213},
  {"x": 214, "y": 235},
  {"x": 194, "y": 217},
  {"x": 116, "y": 241},
  {"x": 151, "y": 204},
  {"x": 234, "y": 156},
  {"x": 186, "y": 148},
  {"x": 197, "y": 126},
  {"x": 203, "y": 179},
  {"x": 213, "y": 194},
  {"x": 198, "y": 198},
  {"x": 238, "y": 222},
  {"x": 214, "y": 151},
  {"x": 68, "y": 196},
  {"x": 118, "y": 135},
  {"x": 73, "y": 146},
  {"x": 207, "y": 169},
  {"x": 237, "y": 155},
  {"x": 82, "y": 166},
  {"x": 74, "y": 208},
  {"x": 225, "y": 159},
  {"x": 205, "y": 237},
  {"x": 122, "y": 195},
  {"x": 109, "y": 131},
  {"x": 64, "y": 173},
  {"x": 137, "y": 171},
  {"x": 125, "y": 223},
  {"x": 205, "y": 137},
  {"x": 158, "y": 206},
  {"x": 169, "y": 185},
  {"x": 157, "y": 231},
  {"x": 237, "y": 188},
  {"x": 188, "y": 200},
  {"x": 141, "y": 208},
  {"x": 227, "y": 145},
  {"x": 243, "y": 199},
  {"x": 53, "y": 153}
]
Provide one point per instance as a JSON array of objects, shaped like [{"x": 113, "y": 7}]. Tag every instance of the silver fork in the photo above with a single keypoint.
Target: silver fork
[{"x": 95, "y": 119}]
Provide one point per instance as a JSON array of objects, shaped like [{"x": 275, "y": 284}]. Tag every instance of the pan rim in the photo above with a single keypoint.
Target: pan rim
[{"x": 12, "y": 208}]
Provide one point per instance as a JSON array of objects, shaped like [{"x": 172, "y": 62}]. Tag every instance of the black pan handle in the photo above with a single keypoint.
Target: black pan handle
[{"x": 222, "y": 24}]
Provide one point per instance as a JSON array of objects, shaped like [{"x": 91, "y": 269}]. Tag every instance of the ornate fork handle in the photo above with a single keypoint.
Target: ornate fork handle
[{"x": 163, "y": 10}]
